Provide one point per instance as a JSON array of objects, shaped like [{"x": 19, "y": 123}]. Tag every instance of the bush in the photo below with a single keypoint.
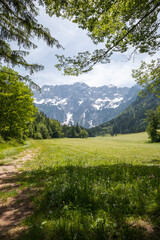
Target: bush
[{"x": 37, "y": 135}]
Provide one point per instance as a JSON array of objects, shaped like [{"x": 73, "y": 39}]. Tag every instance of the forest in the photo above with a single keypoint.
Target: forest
[{"x": 133, "y": 119}]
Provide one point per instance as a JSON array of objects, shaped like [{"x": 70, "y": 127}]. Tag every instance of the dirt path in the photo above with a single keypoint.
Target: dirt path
[{"x": 15, "y": 209}]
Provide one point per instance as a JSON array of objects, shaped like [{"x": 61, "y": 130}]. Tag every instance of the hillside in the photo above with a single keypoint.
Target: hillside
[{"x": 131, "y": 120}]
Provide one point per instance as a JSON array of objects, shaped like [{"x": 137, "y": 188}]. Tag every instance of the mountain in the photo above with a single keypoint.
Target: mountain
[
  {"x": 131, "y": 120},
  {"x": 87, "y": 106}
]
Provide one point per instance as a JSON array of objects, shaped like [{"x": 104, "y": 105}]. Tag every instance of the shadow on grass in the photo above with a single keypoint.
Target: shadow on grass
[
  {"x": 119, "y": 201},
  {"x": 14, "y": 205}
]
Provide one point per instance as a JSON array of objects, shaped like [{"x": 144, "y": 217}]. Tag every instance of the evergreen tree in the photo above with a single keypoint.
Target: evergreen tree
[
  {"x": 44, "y": 127},
  {"x": 65, "y": 129},
  {"x": 56, "y": 129},
  {"x": 18, "y": 24},
  {"x": 71, "y": 133},
  {"x": 131, "y": 120}
]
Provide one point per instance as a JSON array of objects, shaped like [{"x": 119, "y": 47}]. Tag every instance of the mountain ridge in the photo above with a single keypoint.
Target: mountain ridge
[
  {"x": 82, "y": 104},
  {"x": 131, "y": 120}
]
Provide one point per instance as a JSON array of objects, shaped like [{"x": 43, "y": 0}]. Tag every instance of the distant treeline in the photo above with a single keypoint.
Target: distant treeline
[
  {"x": 44, "y": 127},
  {"x": 131, "y": 120}
]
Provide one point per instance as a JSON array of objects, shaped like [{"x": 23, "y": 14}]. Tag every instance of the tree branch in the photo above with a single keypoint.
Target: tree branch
[{"x": 146, "y": 15}]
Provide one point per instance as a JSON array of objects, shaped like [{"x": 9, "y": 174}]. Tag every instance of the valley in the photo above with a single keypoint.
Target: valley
[{"x": 79, "y": 145}]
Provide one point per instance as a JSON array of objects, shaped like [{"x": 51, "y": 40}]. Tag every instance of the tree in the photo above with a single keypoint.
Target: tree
[
  {"x": 17, "y": 108},
  {"x": 148, "y": 76},
  {"x": 44, "y": 131},
  {"x": 44, "y": 127},
  {"x": 83, "y": 133},
  {"x": 120, "y": 24},
  {"x": 56, "y": 129},
  {"x": 153, "y": 119},
  {"x": 71, "y": 133},
  {"x": 18, "y": 23}
]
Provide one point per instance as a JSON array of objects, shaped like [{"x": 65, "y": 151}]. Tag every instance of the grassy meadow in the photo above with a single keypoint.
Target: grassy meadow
[{"x": 93, "y": 189}]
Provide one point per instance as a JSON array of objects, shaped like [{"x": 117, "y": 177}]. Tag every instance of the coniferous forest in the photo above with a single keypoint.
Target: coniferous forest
[
  {"x": 43, "y": 127},
  {"x": 131, "y": 120}
]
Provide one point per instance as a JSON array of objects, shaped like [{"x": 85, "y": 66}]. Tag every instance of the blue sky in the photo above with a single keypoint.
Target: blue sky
[{"x": 75, "y": 40}]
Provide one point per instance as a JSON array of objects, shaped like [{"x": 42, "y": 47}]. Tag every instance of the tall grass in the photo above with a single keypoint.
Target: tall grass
[
  {"x": 96, "y": 188},
  {"x": 12, "y": 147}
]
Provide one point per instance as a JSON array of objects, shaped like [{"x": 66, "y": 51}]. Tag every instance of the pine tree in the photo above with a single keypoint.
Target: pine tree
[{"x": 18, "y": 24}]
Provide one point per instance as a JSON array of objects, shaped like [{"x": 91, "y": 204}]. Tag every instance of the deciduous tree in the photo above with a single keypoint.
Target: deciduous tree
[
  {"x": 153, "y": 119},
  {"x": 119, "y": 24},
  {"x": 148, "y": 76},
  {"x": 17, "y": 109}
]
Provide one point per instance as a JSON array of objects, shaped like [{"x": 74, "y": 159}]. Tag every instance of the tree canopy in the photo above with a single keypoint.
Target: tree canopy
[
  {"x": 153, "y": 128},
  {"x": 45, "y": 127},
  {"x": 119, "y": 24},
  {"x": 17, "y": 109},
  {"x": 148, "y": 76}
]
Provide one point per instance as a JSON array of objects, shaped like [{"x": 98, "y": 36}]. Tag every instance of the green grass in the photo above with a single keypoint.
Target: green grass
[
  {"x": 11, "y": 148},
  {"x": 95, "y": 188},
  {"x": 8, "y": 153},
  {"x": 8, "y": 192}
]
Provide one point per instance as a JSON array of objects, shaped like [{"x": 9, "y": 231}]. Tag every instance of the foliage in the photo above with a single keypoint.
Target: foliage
[
  {"x": 83, "y": 133},
  {"x": 12, "y": 148},
  {"x": 131, "y": 120},
  {"x": 19, "y": 24},
  {"x": 17, "y": 108},
  {"x": 119, "y": 24},
  {"x": 153, "y": 119},
  {"x": 76, "y": 132},
  {"x": 43, "y": 127},
  {"x": 148, "y": 76}
]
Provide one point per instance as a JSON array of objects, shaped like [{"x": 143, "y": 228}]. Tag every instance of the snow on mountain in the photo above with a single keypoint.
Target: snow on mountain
[
  {"x": 79, "y": 103},
  {"x": 69, "y": 119}
]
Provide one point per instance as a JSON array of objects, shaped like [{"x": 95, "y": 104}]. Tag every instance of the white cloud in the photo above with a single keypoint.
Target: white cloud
[{"x": 117, "y": 73}]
